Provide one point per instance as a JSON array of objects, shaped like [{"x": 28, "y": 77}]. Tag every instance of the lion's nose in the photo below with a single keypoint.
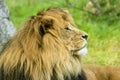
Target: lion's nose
[{"x": 85, "y": 36}]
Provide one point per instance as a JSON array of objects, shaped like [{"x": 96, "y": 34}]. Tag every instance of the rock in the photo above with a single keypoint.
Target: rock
[{"x": 7, "y": 29}]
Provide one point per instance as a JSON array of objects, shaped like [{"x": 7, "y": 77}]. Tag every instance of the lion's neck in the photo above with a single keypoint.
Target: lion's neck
[{"x": 70, "y": 69}]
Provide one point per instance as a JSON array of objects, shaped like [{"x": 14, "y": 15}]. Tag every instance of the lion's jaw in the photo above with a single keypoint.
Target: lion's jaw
[{"x": 82, "y": 51}]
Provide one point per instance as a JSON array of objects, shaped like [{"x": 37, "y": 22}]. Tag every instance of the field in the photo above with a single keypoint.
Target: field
[{"x": 103, "y": 30}]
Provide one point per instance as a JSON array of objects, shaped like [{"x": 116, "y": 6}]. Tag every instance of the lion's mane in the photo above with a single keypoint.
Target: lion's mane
[{"x": 37, "y": 52}]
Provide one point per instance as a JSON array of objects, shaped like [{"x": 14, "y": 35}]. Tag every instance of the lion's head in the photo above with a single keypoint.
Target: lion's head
[{"x": 48, "y": 47}]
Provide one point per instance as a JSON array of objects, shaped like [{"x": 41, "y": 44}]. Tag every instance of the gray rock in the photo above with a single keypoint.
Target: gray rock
[
  {"x": 7, "y": 29},
  {"x": 4, "y": 13}
]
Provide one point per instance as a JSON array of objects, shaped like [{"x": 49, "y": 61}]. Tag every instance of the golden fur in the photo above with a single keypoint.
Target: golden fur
[
  {"x": 97, "y": 72},
  {"x": 44, "y": 49}
]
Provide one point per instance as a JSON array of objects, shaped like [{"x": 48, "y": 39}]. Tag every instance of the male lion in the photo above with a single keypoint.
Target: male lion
[{"x": 48, "y": 47}]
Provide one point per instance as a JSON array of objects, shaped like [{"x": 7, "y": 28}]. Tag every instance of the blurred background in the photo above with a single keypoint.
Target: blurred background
[{"x": 99, "y": 18}]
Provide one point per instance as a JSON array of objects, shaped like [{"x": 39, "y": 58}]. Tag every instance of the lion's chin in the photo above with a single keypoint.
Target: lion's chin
[{"x": 82, "y": 51}]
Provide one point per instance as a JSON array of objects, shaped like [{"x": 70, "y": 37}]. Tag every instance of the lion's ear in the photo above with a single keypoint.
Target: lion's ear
[{"x": 46, "y": 24}]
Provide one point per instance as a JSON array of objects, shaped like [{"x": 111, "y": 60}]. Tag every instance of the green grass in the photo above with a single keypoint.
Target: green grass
[{"x": 104, "y": 30}]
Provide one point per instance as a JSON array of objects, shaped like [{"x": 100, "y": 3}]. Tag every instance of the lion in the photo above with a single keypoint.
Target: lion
[{"x": 48, "y": 47}]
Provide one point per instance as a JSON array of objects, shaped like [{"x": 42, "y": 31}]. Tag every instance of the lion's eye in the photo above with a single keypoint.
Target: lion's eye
[{"x": 68, "y": 28}]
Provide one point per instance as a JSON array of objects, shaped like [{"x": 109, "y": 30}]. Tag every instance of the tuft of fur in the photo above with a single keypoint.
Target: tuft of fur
[{"x": 38, "y": 52}]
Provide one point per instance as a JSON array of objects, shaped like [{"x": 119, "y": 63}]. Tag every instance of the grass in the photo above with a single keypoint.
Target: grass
[{"x": 104, "y": 39}]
